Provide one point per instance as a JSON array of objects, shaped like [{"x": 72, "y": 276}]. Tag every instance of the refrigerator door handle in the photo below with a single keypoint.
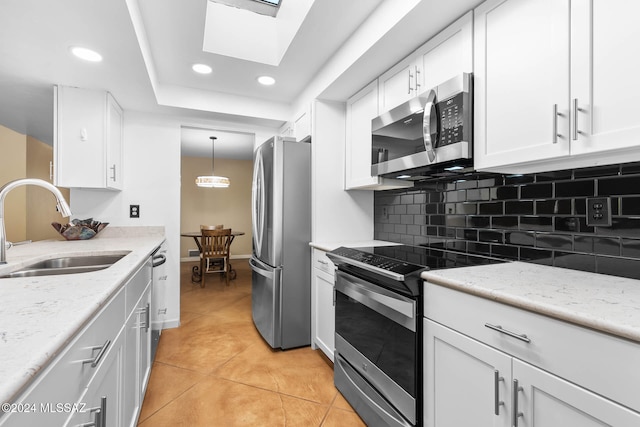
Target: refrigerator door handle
[
  {"x": 258, "y": 268},
  {"x": 258, "y": 202}
]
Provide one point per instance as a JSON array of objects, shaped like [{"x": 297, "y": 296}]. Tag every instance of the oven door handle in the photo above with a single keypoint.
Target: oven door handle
[{"x": 394, "y": 306}]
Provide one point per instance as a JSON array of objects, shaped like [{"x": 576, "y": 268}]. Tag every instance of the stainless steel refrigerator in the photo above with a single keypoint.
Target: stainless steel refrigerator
[{"x": 281, "y": 261}]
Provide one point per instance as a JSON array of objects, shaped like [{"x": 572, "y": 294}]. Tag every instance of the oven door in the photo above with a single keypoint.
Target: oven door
[{"x": 376, "y": 340}]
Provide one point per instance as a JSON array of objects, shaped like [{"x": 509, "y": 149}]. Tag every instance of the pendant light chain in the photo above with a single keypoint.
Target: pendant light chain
[
  {"x": 213, "y": 152},
  {"x": 213, "y": 180}
]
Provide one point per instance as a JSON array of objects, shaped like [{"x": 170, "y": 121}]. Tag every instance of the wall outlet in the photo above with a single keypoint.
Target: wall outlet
[
  {"x": 599, "y": 211},
  {"x": 385, "y": 213},
  {"x": 134, "y": 211}
]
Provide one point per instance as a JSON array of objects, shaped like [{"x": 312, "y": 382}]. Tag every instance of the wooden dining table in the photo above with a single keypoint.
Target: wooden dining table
[{"x": 196, "y": 274}]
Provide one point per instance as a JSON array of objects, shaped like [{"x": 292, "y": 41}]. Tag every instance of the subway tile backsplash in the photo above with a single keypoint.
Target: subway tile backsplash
[{"x": 540, "y": 218}]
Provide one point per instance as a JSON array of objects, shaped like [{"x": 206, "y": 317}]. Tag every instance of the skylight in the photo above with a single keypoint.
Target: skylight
[
  {"x": 263, "y": 7},
  {"x": 232, "y": 30}
]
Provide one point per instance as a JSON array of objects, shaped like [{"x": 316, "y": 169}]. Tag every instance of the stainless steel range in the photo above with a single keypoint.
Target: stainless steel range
[{"x": 378, "y": 316}]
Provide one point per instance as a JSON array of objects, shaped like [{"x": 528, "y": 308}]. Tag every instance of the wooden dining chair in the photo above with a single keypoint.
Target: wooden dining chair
[
  {"x": 212, "y": 227},
  {"x": 214, "y": 257}
]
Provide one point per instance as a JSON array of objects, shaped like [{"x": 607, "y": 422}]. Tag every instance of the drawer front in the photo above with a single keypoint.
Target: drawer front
[
  {"x": 64, "y": 381},
  {"x": 597, "y": 361},
  {"x": 321, "y": 262},
  {"x": 137, "y": 284}
]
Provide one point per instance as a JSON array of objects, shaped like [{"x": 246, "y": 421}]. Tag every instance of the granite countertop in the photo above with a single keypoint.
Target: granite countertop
[
  {"x": 40, "y": 315},
  {"x": 329, "y": 246},
  {"x": 605, "y": 303}
]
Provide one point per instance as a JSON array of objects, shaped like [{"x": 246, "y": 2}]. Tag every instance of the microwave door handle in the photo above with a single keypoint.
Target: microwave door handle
[{"x": 429, "y": 109}]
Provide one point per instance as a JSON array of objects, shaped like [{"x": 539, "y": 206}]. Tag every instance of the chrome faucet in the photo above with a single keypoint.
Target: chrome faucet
[{"x": 62, "y": 206}]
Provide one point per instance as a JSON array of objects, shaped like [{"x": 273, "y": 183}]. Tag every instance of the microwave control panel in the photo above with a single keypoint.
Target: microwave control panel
[{"x": 451, "y": 112}]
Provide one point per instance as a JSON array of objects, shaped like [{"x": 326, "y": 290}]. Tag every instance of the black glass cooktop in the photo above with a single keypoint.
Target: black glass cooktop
[{"x": 405, "y": 259}]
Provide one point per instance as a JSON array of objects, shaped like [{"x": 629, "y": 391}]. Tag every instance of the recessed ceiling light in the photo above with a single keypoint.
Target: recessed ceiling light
[
  {"x": 266, "y": 80},
  {"x": 202, "y": 68},
  {"x": 86, "y": 54}
]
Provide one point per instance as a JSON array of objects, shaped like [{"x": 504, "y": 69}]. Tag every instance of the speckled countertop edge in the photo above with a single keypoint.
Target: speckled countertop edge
[
  {"x": 40, "y": 315},
  {"x": 605, "y": 303}
]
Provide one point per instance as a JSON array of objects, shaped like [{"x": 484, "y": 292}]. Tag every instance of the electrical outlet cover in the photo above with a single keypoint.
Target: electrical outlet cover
[{"x": 599, "y": 211}]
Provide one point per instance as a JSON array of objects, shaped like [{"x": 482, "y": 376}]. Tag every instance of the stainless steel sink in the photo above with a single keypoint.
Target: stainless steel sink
[{"x": 67, "y": 265}]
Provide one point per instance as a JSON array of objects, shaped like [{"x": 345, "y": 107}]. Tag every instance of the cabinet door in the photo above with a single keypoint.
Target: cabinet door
[
  {"x": 131, "y": 404},
  {"x": 361, "y": 109},
  {"x": 137, "y": 359},
  {"x": 144, "y": 342},
  {"x": 398, "y": 84},
  {"x": 603, "y": 68},
  {"x": 464, "y": 381},
  {"x": 102, "y": 401},
  {"x": 446, "y": 55},
  {"x": 324, "y": 312},
  {"x": 521, "y": 81},
  {"x": 114, "y": 144},
  {"x": 549, "y": 401},
  {"x": 78, "y": 144}
]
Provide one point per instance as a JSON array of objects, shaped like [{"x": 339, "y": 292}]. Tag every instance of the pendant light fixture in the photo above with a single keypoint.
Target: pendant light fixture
[{"x": 212, "y": 180}]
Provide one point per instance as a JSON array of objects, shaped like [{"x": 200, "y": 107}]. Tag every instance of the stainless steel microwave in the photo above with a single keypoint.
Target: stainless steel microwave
[{"x": 427, "y": 135}]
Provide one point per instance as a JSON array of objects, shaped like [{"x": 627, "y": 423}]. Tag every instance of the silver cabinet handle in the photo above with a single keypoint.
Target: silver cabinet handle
[
  {"x": 516, "y": 414},
  {"x": 417, "y": 71},
  {"x": 496, "y": 387},
  {"x": 94, "y": 362},
  {"x": 521, "y": 337},
  {"x": 409, "y": 85},
  {"x": 323, "y": 262},
  {"x": 99, "y": 414},
  {"x": 51, "y": 171},
  {"x": 145, "y": 311},
  {"x": 555, "y": 123},
  {"x": 575, "y": 119},
  {"x": 148, "y": 320},
  {"x": 113, "y": 176}
]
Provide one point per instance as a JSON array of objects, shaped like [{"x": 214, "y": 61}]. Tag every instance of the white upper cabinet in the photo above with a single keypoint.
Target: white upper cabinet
[
  {"x": 88, "y": 136},
  {"x": 553, "y": 85},
  {"x": 446, "y": 55},
  {"x": 361, "y": 109},
  {"x": 604, "y": 92},
  {"x": 398, "y": 84},
  {"x": 521, "y": 81}
]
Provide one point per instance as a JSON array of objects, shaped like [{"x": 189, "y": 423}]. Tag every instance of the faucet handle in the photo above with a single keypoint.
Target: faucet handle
[{"x": 8, "y": 245}]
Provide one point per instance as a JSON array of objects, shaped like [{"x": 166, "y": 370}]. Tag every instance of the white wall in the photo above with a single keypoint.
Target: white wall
[
  {"x": 152, "y": 180},
  {"x": 338, "y": 215}
]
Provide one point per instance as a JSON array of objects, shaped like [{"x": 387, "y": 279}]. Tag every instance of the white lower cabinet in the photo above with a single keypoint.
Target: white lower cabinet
[
  {"x": 469, "y": 383},
  {"x": 323, "y": 310},
  {"x": 137, "y": 365},
  {"x": 101, "y": 404},
  {"x": 459, "y": 373},
  {"x": 101, "y": 373},
  {"x": 510, "y": 382}
]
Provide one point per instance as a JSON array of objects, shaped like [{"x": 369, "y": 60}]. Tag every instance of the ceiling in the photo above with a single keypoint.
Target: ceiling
[{"x": 149, "y": 47}]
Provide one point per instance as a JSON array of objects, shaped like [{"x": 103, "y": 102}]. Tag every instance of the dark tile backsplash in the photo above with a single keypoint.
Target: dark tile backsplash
[{"x": 538, "y": 218}]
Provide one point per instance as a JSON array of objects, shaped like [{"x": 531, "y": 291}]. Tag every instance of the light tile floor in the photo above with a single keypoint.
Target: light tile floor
[{"x": 216, "y": 370}]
